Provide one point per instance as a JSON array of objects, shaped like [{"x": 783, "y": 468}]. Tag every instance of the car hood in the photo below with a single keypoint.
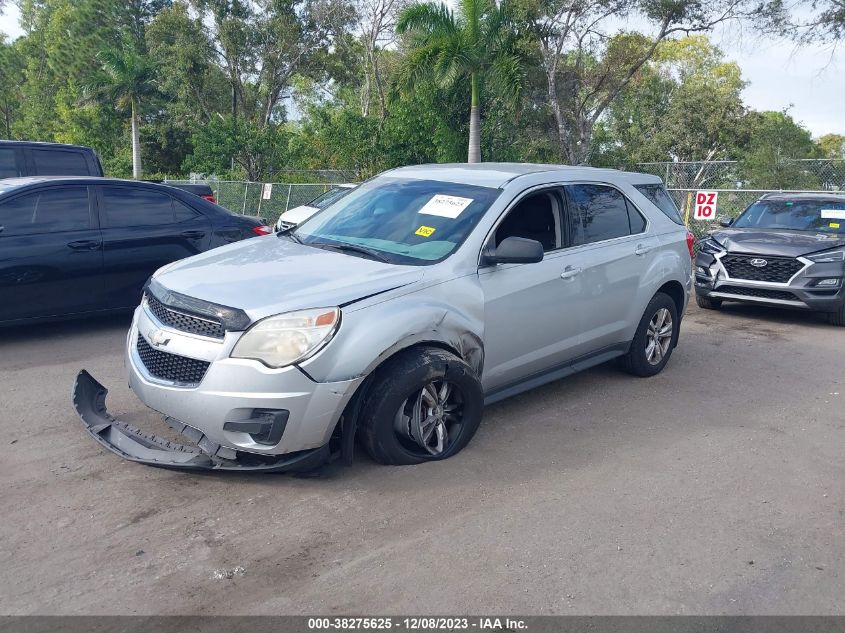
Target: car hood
[
  {"x": 773, "y": 242},
  {"x": 270, "y": 275},
  {"x": 298, "y": 214}
]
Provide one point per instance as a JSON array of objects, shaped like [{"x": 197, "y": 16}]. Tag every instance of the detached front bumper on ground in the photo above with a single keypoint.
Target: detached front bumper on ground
[{"x": 134, "y": 444}]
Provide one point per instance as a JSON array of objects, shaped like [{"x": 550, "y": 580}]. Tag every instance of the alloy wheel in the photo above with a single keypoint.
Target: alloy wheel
[
  {"x": 659, "y": 336},
  {"x": 429, "y": 420}
]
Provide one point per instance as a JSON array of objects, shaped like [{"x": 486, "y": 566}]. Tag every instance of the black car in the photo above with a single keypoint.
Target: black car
[
  {"x": 785, "y": 250},
  {"x": 71, "y": 246}
]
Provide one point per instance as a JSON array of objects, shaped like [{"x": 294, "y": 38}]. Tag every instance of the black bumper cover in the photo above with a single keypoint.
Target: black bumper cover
[{"x": 134, "y": 444}]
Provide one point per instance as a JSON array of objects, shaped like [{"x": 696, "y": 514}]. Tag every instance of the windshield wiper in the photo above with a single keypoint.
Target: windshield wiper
[
  {"x": 288, "y": 232},
  {"x": 352, "y": 248}
]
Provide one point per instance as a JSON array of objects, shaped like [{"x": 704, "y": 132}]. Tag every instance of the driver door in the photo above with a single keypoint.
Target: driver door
[{"x": 532, "y": 322}]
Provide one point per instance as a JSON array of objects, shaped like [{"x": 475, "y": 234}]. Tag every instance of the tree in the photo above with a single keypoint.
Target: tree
[
  {"x": 771, "y": 158},
  {"x": 476, "y": 42},
  {"x": 832, "y": 146},
  {"x": 587, "y": 68},
  {"x": 11, "y": 68},
  {"x": 127, "y": 80},
  {"x": 684, "y": 105}
]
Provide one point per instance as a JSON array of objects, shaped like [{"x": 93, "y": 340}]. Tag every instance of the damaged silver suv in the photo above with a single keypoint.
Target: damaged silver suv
[{"x": 395, "y": 314}]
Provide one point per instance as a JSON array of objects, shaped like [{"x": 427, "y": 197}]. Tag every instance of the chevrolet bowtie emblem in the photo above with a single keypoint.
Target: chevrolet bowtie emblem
[{"x": 158, "y": 338}]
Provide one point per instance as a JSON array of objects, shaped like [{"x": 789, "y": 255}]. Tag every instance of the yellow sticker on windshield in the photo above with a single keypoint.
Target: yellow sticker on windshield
[
  {"x": 424, "y": 231},
  {"x": 834, "y": 225}
]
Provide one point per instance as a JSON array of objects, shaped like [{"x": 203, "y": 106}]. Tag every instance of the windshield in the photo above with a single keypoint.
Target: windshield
[
  {"x": 821, "y": 216},
  {"x": 324, "y": 200},
  {"x": 401, "y": 221}
]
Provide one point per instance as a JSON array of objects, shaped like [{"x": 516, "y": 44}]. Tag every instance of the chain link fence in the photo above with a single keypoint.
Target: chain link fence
[
  {"x": 815, "y": 174},
  {"x": 266, "y": 200}
]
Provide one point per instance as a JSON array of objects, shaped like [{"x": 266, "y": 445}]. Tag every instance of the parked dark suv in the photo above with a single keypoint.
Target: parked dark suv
[
  {"x": 27, "y": 158},
  {"x": 784, "y": 250}
]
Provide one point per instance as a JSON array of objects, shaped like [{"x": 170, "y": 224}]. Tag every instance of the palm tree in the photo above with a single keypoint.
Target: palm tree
[
  {"x": 127, "y": 79},
  {"x": 476, "y": 41}
]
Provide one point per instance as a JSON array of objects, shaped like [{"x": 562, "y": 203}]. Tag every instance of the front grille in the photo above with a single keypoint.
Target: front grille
[
  {"x": 777, "y": 269},
  {"x": 172, "y": 367},
  {"x": 762, "y": 293},
  {"x": 183, "y": 321}
]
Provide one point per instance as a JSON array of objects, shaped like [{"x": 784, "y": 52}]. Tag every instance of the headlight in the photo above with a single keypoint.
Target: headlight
[
  {"x": 710, "y": 246},
  {"x": 287, "y": 338},
  {"x": 828, "y": 256}
]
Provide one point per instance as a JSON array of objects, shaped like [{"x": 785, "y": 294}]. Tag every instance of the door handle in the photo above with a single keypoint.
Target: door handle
[
  {"x": 85, "y": 245},
  {"x": 193, "y": 235},
  {"x": 642, "y": 249},
  {"x": 569, "y": 272}
]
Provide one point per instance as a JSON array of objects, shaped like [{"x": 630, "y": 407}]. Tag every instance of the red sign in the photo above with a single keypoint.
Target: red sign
[{"x": 705, "y": 205}]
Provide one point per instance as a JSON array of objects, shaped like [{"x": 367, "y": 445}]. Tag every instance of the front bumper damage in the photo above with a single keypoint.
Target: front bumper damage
[{"x": 134, "y": 444}]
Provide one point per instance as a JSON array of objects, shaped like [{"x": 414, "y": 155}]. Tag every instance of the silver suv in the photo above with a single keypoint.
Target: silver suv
[{"x": 395, "y": 314}]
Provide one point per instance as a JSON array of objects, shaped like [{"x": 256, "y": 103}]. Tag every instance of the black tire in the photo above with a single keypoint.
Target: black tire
[
  {"x": 636, "y": 361},
  {"x": 394, "y": 386},
  {"x": 837, "y": 318},
  {"x": 707, "y": 303}
]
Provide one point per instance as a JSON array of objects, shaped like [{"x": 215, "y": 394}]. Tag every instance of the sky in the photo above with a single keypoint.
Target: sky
[{"x": 809, "y": 81}]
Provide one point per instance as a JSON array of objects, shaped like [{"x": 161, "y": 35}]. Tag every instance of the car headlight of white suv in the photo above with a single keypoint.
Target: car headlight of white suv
[{"x": 288, "y": 338}]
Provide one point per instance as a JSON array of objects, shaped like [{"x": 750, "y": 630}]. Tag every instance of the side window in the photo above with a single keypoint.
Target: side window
[
  {"x": 598, "y": 213},
  {"x": 635, "y": 220},
  {"x": 61, "y": 209},
  {"x": 8, "y": 164},
  {"x": 658, "y": 195},
  {"x": 128, "y": 206},
  {"x": 52, "y": 162},
  {"x": 536, "y": 217}
]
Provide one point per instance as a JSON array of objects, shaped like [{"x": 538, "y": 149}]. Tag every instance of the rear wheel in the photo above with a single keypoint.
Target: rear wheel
[
  {"x": 655, "y": 338},
  {"x": 424, "y": 405},
  {"x": 707, "y": 303}
]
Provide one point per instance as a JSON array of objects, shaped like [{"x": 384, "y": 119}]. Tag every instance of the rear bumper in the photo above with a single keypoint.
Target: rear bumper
[{"x": 129, "y": 442}]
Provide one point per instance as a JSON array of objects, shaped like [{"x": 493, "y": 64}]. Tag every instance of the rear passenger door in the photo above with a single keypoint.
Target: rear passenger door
[
  {"x": 51, "y": 256},
  {"x": 614, "y": 252},
  {"x": 144, "y": 229}
]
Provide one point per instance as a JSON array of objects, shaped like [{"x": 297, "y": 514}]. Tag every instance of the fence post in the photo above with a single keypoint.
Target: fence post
[
  {"x": 246, "y": 189},
  {"x": 687, "y": 210},
  {"x": 287, "y": 202}
]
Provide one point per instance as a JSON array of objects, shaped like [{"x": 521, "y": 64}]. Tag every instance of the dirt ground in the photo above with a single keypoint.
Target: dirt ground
[{"x": 717, "y": 487}]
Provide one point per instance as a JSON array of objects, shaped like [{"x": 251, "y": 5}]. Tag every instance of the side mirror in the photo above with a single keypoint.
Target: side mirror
[
  {"x": 726, "y": 222},
  {"x": 515, "y": 250}
]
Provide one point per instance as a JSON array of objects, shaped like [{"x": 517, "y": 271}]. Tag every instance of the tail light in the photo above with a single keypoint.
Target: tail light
[
  {"x": 262, "y": 229},
  {"x": 210, "y": 198},
  {"x": 691, "y": 244}
]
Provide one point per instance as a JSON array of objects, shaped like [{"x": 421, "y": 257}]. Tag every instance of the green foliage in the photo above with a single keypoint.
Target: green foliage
[
  {"x": 249, "y": 89},
  {"x": 775, "y": 137},
  {"x": 685, "y": 104}
]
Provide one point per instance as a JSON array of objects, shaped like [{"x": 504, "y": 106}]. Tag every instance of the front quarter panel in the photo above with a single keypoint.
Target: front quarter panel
[{"x": 449, "y": 314}]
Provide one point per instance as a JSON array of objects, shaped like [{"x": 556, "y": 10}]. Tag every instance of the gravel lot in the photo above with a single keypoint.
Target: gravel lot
[{"x": 717, "y": 487}]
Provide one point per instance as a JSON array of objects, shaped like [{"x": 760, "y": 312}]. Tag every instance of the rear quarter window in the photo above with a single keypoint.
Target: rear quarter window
[
  {"x": 658, "y": 196},
  {"x": 8, "y": 164},
  {"x": 52, "y": 162}
]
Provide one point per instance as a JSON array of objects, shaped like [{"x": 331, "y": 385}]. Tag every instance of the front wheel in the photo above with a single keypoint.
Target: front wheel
[
  {"x": 707, "y": 303},
  {"x": 838, "y": 317},
  {"x": 655, "y": 338},
  {"x": 424, "y": 405}
]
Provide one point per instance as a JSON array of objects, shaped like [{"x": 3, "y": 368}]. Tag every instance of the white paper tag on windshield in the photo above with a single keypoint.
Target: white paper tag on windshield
[
  {"x": 833, "y": 214},
  {"x": 445, "y": 206}
]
